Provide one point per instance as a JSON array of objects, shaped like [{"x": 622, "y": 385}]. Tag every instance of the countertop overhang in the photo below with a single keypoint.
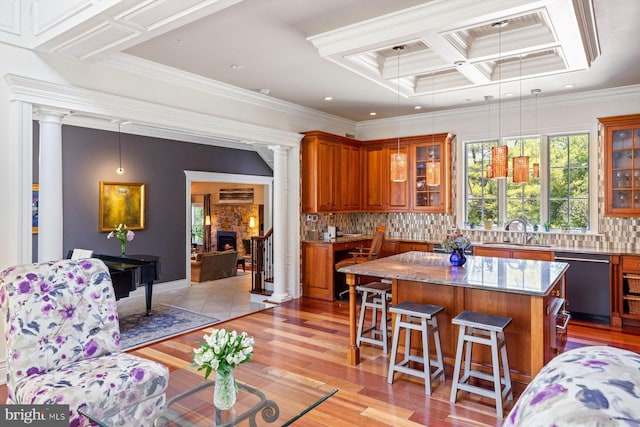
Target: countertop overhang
[{"x": 528, "y": 277}]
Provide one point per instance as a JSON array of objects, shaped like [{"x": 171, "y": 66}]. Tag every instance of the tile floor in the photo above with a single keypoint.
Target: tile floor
[{"x": 223, "y": 299}]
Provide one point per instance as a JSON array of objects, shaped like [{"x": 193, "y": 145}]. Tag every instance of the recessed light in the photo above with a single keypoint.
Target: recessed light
[
  {"x": 265, "y": 91},
  {"x": 569, "y": 86},
  {"x": 237, "y": 66},
  {"x": 467, "y": 100},
  {"x": 418, "y": 107},
  {"x": 509, "y": 94},
  {"x": 373, "y": 113},
  {"x": 328, "y": 98}
]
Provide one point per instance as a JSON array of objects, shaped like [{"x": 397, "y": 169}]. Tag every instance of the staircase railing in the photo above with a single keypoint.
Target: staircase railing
[{"x": 261, "y": 262}]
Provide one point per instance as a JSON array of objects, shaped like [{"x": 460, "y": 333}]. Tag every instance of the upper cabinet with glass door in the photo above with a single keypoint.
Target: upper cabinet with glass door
[
  {"x": 621, "y": 165},
  {"x": 431, "y": 172}
]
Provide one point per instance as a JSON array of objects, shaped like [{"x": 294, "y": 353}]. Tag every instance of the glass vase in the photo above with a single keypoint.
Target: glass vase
[
  {"x": 123, "y": 247},
  {"x": 224, "y": 392},
  {"x": 457, "y": 258}
]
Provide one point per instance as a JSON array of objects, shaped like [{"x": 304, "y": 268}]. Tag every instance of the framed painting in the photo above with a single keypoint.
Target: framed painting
[
  {"x": 35, "y": 196},
  {"x": 121, "y": 203}
]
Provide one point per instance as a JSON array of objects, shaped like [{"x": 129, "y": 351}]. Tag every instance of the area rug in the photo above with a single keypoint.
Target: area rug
[{"x": 165, "y": 321}]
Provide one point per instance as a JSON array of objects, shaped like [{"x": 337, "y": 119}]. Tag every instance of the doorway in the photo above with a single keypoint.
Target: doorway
[{"x": 264, "y": 220}]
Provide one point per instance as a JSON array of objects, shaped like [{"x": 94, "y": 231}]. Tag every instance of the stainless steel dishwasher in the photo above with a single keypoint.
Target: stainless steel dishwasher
[{"x": 588, "y": 285}]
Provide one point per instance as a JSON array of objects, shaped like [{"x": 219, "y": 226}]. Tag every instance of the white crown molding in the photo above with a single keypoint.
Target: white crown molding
[
  {"x": 143, "y": 113},
  {"x": 172, "y": 75},
  {"x": 544, "y": 102}
]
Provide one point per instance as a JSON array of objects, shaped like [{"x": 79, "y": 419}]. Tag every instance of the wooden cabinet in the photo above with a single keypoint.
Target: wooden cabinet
[
  {"x": 340, "y": 174},
  {"x": 379, "y": 192},
  {"x": 630, "y": 289},
  {"x": 349, "y": 190},
  {"x": 414, "y": 246},
  {"x": 330, "y": 173},
  {"x": 373, "y": 162},
  {"x": 430, "y": 158},
  {"x": 513, "y": 253},
  {"x": 621, "y": 137},
  {"x": 318, "y": 266}
]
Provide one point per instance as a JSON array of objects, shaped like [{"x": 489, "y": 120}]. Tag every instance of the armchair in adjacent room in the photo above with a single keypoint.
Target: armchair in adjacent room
[{"x": 63, "y": 342}]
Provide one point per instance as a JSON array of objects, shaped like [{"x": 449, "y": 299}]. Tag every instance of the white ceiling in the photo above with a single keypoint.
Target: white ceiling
[
  {"x": 302, "y": 51},
  {"x": 305, "y": 50}
]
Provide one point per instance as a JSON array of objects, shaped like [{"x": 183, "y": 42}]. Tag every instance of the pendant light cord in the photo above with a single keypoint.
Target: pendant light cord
[
  {"x": 398, "y": 49},
  {"x": 119, "y": 147}
]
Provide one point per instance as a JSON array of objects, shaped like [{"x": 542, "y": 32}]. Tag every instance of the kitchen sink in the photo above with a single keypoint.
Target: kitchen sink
[{"x": 510, "y": 244}]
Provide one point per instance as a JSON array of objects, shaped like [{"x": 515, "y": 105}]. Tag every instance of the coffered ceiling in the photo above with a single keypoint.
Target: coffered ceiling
[{"x": 305, "y": 51}]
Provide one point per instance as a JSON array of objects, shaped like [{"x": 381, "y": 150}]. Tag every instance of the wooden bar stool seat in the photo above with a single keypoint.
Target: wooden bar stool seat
[
  {"x": 484, "y": 329},
  {"x": 413, "y": 316},
  {"x": 376, "y": 296}
]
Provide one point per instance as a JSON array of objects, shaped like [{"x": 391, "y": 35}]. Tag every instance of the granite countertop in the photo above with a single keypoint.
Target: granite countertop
[{"x": 528, "y": 277}]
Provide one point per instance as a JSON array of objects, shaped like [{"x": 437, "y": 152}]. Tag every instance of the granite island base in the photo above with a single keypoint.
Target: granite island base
[{"x": 530, "y": 292}]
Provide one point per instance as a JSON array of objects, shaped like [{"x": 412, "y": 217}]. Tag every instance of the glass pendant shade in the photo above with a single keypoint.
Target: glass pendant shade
[
  {"x": 521, "y": 169},
  {"x": 536, "y": 170},
  {"x": 500, "y": 161},
  {"x": 433, "y": 173},
  {"x": 398, "y": 167}
]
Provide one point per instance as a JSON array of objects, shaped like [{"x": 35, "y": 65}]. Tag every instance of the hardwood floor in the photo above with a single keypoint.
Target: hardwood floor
[{"x": 308, "y": 338}]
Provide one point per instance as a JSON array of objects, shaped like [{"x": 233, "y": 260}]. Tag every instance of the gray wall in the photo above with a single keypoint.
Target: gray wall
[{"x": 90, "y": 156}]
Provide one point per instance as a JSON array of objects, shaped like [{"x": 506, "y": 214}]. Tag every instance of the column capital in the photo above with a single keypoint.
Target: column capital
[
  {"x": 50, "y": 115},
  {"x": 279, "y": 149}
]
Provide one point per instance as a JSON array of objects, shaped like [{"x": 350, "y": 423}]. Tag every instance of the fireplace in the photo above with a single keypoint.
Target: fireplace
[{"x": 225, "y": 239}]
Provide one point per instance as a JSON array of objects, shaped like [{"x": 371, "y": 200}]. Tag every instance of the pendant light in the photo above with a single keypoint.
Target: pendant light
[
  {"x": 398, "y": 159},
  {"x": 536, "y": 166},
  {"x": 489, "y": 169},
  {"x": 499, "y": 153},
  {"x": 120, "y": 170},
  {"x": 433, "y": 167},
  {"x": 521, "y": 163}
]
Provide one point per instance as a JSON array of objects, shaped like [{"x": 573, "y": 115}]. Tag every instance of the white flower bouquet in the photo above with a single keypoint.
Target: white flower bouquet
[{"x": 222, "y": 351}]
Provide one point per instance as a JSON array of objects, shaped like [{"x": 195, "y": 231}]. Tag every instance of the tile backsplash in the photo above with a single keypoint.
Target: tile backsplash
[{"x": 617, "y": 234}]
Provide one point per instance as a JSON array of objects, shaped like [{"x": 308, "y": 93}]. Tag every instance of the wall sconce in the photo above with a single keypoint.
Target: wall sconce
[
  {"x": 252, "y": 222},
  {"x": 207, "y": 220},
  {"x": 499, "y": 161},
  {"x": 521, "y": 169}
]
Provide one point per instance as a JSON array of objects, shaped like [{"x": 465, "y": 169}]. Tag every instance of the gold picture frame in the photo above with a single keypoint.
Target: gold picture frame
[
  {"x": 121, "y": 203},
  {"x": 35, "y": 198}
]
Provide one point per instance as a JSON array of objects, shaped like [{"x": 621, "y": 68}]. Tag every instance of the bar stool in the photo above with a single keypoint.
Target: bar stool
[
  {"x": 485, "y": 329},
  {"x": 376, "y": 296},
  {"x": 417, "y": 317}
]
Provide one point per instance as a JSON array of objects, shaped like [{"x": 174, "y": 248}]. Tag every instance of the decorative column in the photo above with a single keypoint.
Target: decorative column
[
  {"x": 279, "y": 223},
  {"x": 50, "y": 198}
]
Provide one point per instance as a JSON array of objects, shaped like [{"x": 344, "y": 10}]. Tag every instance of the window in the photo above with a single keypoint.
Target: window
[
  {"x": 481, "y": 192},
  {"x": 569, "y": 180},
  {"x": 562, "y": 202},
  {"x": 197, "y": 223}
]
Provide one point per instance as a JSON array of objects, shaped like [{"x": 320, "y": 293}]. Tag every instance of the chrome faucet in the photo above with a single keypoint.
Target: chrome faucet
[{"x": 522, "y": 220}]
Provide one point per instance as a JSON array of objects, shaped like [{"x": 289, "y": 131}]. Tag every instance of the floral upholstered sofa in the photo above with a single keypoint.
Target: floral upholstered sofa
[
  {"x": 588, "y": 386},
  {"x": 63, "y": 343}
]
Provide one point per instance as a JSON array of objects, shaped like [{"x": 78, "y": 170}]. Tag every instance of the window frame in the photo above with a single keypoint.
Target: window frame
[{"x": 544, "y": 193}]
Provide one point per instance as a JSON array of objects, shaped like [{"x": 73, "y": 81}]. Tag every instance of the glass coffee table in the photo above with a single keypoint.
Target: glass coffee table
[{"x": 266, "y": 396}]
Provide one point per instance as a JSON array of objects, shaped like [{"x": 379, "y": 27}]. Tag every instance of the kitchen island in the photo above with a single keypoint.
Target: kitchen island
[{"x": 530, "y": 292}]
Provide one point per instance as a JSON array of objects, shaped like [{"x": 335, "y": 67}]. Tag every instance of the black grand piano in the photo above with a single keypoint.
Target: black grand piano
[{"x": 130, "y": 271}]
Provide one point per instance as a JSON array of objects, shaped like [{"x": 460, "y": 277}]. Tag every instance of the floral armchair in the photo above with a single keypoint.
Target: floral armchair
[{"x": 63, "y": 341}]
